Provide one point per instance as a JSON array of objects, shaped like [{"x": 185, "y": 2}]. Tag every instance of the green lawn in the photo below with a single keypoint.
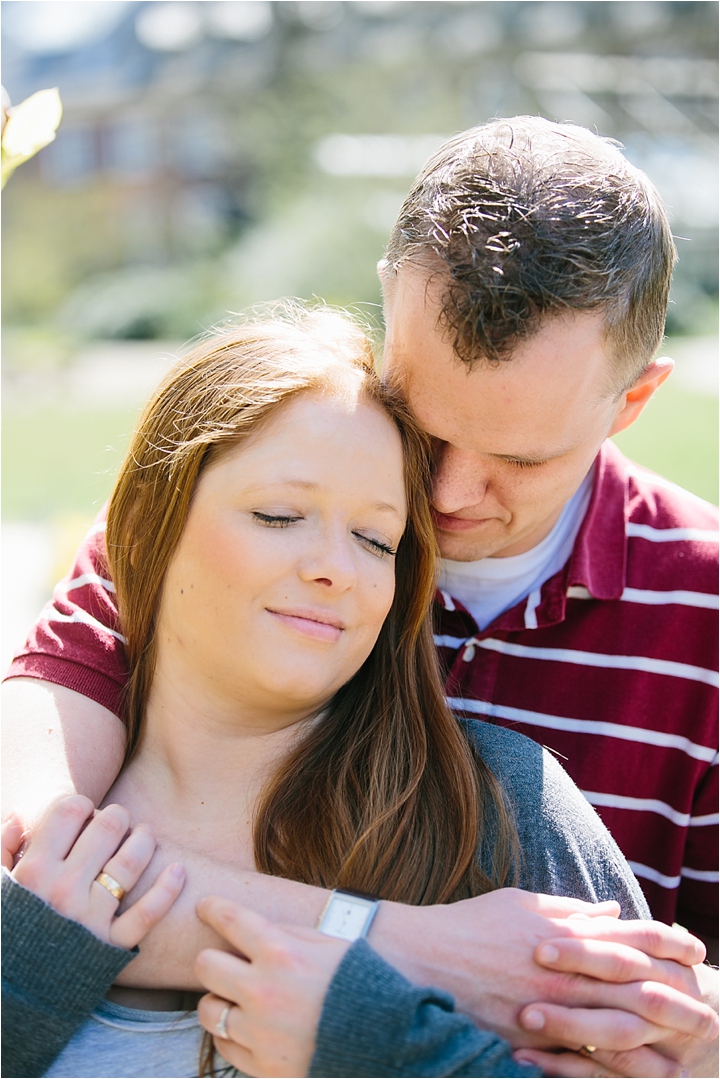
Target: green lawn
[
  {"x": 677, "y": 436},
  {"x": 60, "y": 460}
]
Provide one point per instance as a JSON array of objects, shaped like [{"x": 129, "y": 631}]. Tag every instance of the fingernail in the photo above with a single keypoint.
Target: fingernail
[
  {"x": 178, "y": 871},
  {"x": 548, "y": 953},
  {"x": 684, "y": 1075},
  {"x": 533, "y": 1020}
]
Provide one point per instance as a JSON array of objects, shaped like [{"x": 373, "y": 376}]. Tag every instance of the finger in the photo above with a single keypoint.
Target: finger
[
  {"x": 223, "y": 974},
  {"x": 242, "y": 928},
  {"x": 610, "y": 961},
  {"x": 212, "y": 1009},
  {"x": 132, "y": 857},
  {"x": 13, "y": 832},
  {"x": 97, "y": 844},
  {"x": 654, "y": 938},
  {"x": 642, "y": 1063},
  {"x": 555, "y": 906},
  {"x": 131, "y": 927},
  {"x": 237, "y": 1055},
  {"x": 59, "y": 829},
  {"x": 563, "y": 1064},
  {"x": 573, "y": 1027}
]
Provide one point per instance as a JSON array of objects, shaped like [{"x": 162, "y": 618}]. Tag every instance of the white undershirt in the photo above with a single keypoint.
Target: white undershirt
[{"x": 493, "y": 585}]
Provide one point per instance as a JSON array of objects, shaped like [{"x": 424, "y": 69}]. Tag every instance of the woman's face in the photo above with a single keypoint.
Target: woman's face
[{"x": 284, "y": 573}]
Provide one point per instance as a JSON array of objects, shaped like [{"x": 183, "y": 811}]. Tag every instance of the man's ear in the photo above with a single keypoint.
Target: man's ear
[{"x": 634, "y": 399}]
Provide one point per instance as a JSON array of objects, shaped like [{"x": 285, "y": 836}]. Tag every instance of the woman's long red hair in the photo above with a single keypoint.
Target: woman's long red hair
[{"x": 384, "y": 794}]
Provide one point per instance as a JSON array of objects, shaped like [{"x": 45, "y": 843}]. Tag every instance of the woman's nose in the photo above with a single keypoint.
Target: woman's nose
[
  {"x": 460, "y": 480},
  {"x": 331, "y": 563}
]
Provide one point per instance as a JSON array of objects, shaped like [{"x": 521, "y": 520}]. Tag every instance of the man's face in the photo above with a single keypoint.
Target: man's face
[{"x": 513, "y": 441}]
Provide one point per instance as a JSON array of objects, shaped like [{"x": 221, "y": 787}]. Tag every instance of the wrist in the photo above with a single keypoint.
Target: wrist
[{"x": 399, "y": 934}]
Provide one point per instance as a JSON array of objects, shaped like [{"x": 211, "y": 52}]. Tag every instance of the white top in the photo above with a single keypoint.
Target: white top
[
  {"x": 492, "y": 586},
  {"x": 117, "y": 1041}
]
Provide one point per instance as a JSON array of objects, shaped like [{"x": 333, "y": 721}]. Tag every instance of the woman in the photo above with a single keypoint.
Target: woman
[{"x": 271, "y": 545}]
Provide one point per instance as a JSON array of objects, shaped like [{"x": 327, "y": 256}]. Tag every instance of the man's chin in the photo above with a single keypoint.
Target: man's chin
[{"x": 465, "y": 548}]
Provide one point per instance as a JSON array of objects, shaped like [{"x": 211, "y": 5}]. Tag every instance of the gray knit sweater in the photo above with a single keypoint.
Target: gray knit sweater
[{"x": 374, "y": 1022}]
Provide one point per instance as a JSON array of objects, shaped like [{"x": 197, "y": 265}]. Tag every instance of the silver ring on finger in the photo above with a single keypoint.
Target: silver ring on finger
[{"x": 221, "y": 1026}]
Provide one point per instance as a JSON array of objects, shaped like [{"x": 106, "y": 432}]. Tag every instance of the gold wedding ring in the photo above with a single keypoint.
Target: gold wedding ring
[
  {"x": 111, "y": 885},
  {"x": 587, "y": 1050}
]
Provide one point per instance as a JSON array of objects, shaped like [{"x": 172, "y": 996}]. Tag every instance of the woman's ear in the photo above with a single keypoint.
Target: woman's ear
[{"x": 633, "y": 400}]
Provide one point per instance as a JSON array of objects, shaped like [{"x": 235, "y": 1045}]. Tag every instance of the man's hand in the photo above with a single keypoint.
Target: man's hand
[
  {"x": 481, "y": 951},
  {"x": 270, "y": 995},
  {"x": 684, "y": 1038}
]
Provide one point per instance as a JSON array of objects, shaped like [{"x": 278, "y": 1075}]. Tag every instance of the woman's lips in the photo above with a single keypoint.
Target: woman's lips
[
  {"x": 320, "y": 626},
  {"x": 447, "y": 523}
]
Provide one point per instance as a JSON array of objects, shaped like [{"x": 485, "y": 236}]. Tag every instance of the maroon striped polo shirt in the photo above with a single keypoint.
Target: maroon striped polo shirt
[{"x": 612, "y": 665}]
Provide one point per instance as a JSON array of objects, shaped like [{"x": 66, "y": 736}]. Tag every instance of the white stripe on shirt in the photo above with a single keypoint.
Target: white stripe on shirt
[
  {"x": 649, "y": 805},
  {"x": 655, "y": 597},
  {"x": 86, "y": 578},
  {"x": 711, "y": 876},
  {"x": 603, "y": 659},
  {"x": 51, "y": 614},
  {"x": 708, "y": 876},
  {"x": 649, "y": 873},
  {"x": 533, "y": 602},
  {"x": 584, "y": 726},
  {"x": 670, "y": 535}
]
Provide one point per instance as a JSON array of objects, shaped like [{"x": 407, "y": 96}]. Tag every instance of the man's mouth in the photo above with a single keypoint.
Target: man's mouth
[{"x": 448, "y": 523}]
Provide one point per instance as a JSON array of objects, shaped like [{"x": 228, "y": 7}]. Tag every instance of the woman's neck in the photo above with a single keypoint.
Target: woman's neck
[{"x": 202, "y": 763}]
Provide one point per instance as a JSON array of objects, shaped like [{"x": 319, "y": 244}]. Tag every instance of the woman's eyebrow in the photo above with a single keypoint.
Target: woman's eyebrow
[{"x": 309, "y": 485}]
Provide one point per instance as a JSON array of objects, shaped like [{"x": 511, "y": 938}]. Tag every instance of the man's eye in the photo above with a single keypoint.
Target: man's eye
[
  {"x": 518, "y": 463},
  {"x": 273, "y": 520}
]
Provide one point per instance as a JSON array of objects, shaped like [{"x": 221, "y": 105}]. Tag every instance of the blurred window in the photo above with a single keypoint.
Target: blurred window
[
  {"x": 72, "y": 158},
  {"x": 131, "y": 148}
]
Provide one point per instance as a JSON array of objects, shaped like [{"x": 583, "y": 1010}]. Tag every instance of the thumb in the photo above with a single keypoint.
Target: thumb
[{"x": 13, "y": 833}]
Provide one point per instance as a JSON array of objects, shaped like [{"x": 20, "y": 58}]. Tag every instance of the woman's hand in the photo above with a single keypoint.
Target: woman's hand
[
  {"x": 69, "y": 849},
  {"x": 13, "y": 833},
  {"x": 268, "y": 999}
]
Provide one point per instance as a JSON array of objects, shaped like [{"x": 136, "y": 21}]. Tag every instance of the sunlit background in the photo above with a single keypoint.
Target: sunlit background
[{"x": 213, "y": 155}]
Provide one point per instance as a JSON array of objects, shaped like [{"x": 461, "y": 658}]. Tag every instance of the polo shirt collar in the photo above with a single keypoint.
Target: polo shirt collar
[{"x": 599, "y": 558}]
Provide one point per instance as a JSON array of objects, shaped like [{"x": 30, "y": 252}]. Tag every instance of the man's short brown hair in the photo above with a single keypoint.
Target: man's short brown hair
[{"x": 529, "y": 218}]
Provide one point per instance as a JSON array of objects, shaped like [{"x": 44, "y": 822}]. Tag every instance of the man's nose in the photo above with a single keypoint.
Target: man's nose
[
  {"x": 330, "y": 561},
  {"x": 460, "y": 479}
]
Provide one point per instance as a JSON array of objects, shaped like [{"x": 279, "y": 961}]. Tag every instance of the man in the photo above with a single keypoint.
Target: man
[{"x": 526, "y": 283}]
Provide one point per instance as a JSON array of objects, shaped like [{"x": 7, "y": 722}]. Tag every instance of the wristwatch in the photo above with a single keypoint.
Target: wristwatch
[{"x": 348, "y": 915}]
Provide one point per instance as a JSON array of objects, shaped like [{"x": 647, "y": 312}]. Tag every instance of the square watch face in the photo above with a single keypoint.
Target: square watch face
[{"x": 346, "y": 916}]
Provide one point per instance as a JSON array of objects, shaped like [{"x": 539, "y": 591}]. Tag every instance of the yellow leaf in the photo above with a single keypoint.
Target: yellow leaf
[{"x": 30, "y": 126}]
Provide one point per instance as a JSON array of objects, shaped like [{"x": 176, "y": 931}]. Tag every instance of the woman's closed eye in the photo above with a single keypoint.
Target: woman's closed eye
[
  {"x": 283, "y": 520},
  {"x": 376, "y": 546},
  {"x": 276, "y": 520}
]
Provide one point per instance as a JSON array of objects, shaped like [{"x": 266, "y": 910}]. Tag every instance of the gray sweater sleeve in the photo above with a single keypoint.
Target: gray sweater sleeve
[
  {"x": 54, "y": 972},
  {"x": 375, "y": 1022},
  {"x": 566, "y": 848}
]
